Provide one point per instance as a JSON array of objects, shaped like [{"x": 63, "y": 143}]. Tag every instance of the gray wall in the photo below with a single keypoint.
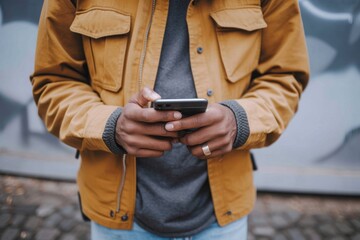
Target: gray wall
[{"x": 319, "y": 152}]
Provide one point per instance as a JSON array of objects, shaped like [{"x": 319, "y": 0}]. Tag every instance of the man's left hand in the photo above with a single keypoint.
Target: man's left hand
[{"x": 216, "y": 129}]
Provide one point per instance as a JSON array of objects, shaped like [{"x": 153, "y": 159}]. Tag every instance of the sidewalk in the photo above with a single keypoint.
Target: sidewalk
[{"x": 48, "y": 210}]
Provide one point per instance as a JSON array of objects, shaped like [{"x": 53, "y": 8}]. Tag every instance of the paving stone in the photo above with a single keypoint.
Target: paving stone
[
  {"x": 250, "y": 236},
  {"x": 356, "y": 223},
  {"x": 52, "y": 220},
  {"x": 356, "y": 237},
  {"x": 47, "y": 234},
  {"x": 338, "y": 238},
  {"x": 295, "y": 234},
  {"x": 50, "y": 187},
  {"x": 264, "y": 231},
  {"x": 86, "y": 236},
  {"x": 276, "y": 206},
  {"x": 328, "y": 230},
  {"x": 10, "y": 234},
  {"x": 259, "y": 220},
  {"x": 67, "y": 224},
  {"x": 293, "y": 216},
  {"x": 82, "y": 229},
  {"x": 308, "y": 221},
  {"x": 56, "y": 201},
  {"x": 278, "y": 221},
  {"x": 33, "y": 223},
  {"x": 17, "y": 220},
  {"x": 68, "y": 211},
  {"x": 68, "y": 236},
  {"x": 4, "y": 219},
  {"x": 45, "y": 210},
  {"x": 26, "y": 235},
  {"x": 344, "y": 228},
  {"x": 279, "y": 236},
  {"x": 25, "y": 209},
  {"x": 311, "y": 234},
  {"x": 5, "y": 208},
  {"x": 324, "y": 218},
  {"x": 78, "y": 217}
]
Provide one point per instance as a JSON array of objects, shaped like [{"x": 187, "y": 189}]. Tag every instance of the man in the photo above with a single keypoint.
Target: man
[{"x": 138, "y": 179}]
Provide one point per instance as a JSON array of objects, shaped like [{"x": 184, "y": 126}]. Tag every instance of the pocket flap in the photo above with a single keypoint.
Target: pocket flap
[
  {"x": 98, "y": 23},
  {"x": 248, "y": 19}
]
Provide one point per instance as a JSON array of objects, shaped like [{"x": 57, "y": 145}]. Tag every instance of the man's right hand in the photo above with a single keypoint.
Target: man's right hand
[{"x": 141, "y": 130}]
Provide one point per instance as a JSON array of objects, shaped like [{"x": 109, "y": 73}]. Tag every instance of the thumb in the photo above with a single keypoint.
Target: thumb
[{"x": 145, "y": 96}]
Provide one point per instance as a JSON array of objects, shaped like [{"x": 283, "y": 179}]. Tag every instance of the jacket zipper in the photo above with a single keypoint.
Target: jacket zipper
[
  {"x": 142, "y": 61},
  {"x": 143, "y": 53},
  {"x": 122, "y": 183}
]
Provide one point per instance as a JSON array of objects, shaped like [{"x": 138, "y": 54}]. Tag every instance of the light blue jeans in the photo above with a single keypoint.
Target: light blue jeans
[{"x": 233, "y": 231}]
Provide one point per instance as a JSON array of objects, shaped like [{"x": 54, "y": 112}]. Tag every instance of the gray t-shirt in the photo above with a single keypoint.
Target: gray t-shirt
[{"x": 173, "y": 195}]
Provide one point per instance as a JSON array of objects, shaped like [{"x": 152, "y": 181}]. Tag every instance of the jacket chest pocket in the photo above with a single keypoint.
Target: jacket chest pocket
[
  {"x": 105, "y": 37},
  {"x": 239, "y": 39}
]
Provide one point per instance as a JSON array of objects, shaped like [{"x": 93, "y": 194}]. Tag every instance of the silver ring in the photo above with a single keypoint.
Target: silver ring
[{"x": 206, "y": 150}]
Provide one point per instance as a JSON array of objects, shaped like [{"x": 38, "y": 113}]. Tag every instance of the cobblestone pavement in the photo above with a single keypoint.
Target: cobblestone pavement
[{"x": 48, "y": 210}]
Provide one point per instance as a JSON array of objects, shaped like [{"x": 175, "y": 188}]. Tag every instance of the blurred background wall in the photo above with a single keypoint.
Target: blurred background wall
[{"x": 319, "y": 152}]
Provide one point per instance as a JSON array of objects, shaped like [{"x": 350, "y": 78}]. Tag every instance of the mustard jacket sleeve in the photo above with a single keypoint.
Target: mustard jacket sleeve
[
  {"x": 281, "y": 76},
  {"x": 67, "y": 104}
]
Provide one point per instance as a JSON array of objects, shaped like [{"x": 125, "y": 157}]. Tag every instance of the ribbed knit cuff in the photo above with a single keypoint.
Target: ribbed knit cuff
[
  {"x": 242, "y": 124},
  {"x": 109, "y": 133}
]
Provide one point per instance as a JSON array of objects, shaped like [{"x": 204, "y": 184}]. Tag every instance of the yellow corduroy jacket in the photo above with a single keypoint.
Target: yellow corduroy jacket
[{"x": 93, "y": 55}]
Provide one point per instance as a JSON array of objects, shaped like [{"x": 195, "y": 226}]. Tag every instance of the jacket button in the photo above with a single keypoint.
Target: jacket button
[
  {"x": 210, "y": 92},
  {"x": 200, "y": 50},
  {"x": 112, "y": 214},
  {"x": 229, "y": 213},
  {"x": 124, "y": 218}
]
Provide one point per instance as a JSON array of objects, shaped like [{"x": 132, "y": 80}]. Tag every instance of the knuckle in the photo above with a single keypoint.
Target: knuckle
[
  {"x": 167, "y": 116},
  {"x": 145, "y": 116},
  {"x": 158, "y": 154},
  {"x": 194, "y": 152},
  {"x": 131, "y": 142},
  {"x": 167, "y": 146},
  {"x": 131, "y": 150},
  {"x": 161, "y": 130},
  {"x": 131, "y": 128},
  {"x": 197, "y": 121},
  {"x": 224, "y": 142},
  {"x": 223, "y": 130},
  {"x": 185, "y": 140}
]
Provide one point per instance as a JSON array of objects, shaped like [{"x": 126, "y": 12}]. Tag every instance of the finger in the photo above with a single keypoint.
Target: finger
[
  {"x": 149, "y": 153},
  {"x": 153, "y": 129},
  {"x": 204, "y": 134},
  {"x": 145, "y": 96},
  {"x": 217, "y": 147},
  {"x": 195, "y": 121},
  {"x": 150, "y": 115},
  {"x": 136, "y": 142},
  {"x": 212, "y": 115},
  {"x": 158, "y": 129}
]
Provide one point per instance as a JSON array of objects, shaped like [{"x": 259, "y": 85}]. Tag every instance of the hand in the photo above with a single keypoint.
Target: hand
[
  {"x": 216, "y": 128},
  {"x": 141, "y": 130}
]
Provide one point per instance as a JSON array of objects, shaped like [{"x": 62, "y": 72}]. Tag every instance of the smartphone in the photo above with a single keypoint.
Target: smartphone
[{"x": 187, "y": 106}]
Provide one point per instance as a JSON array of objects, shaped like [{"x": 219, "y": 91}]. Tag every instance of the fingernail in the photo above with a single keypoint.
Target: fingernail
[
  {"x": 169, "y": 126},
  {"x": 150, "y": 94},
  {"x": 155, "y": 96},
  {"x": 177, "y": 115}
]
